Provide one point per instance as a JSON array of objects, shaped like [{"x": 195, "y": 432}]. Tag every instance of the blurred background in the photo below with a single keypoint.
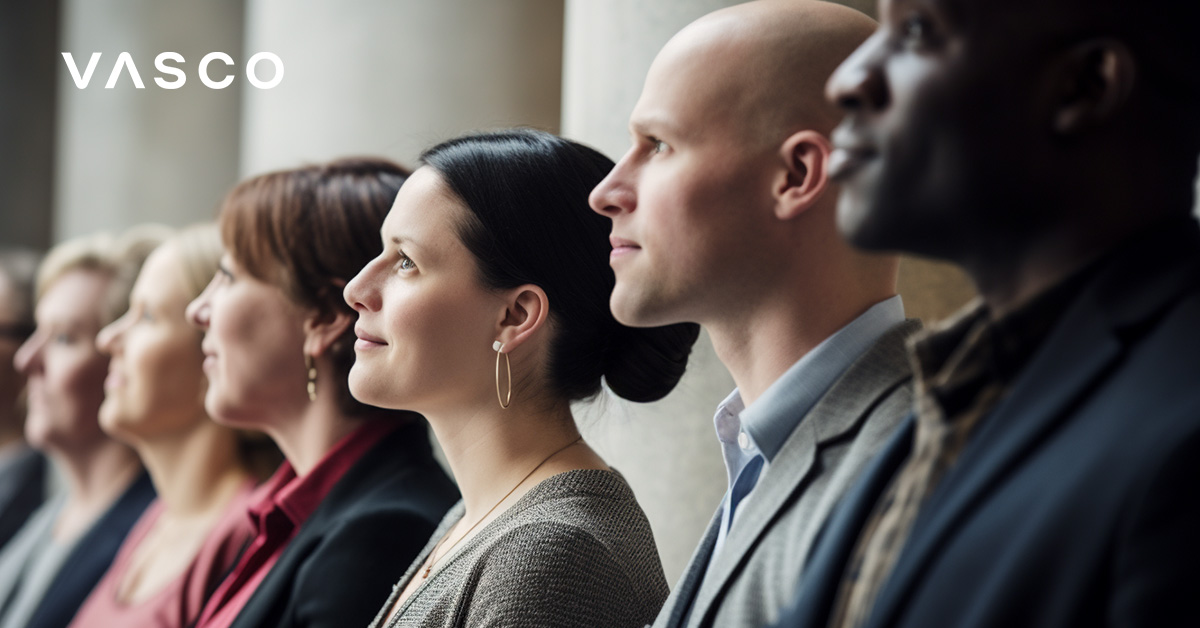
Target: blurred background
[{"x": 381, "y": 77}]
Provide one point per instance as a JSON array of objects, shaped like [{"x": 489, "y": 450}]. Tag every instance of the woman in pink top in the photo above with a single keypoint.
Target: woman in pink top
[{"x": 191, "y": 535}]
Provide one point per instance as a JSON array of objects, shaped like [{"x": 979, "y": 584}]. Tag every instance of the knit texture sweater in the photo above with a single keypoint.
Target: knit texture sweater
[{"x": 575, "y": 551}]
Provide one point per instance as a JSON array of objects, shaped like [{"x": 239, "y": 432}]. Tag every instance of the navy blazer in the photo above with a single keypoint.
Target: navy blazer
[
  {"x": 1075, "y": 504},
  {"x": 90, "y": 558},
  {"x": 22, "y": 490},
  {"x": 342, "y": 564}
]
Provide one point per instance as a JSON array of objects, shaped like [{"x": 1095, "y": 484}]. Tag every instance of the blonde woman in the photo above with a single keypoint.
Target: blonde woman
[
  {"x": 190, "y": 536},
  {"x": 50, "y": 567}
]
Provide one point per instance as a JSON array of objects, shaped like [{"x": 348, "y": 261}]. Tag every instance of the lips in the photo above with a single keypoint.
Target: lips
[
  {"x": 621, "y": 246},
  {"x": 850, "y": 153},
  {"x": 366, "y": 340}
]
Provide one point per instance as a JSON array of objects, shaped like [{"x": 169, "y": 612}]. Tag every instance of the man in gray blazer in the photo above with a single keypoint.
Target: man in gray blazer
[{"x": 723, "y": 214}]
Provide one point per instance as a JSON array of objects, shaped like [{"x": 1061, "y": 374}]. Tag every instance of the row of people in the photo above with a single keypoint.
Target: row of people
[{"x": 1025, "y": 463}]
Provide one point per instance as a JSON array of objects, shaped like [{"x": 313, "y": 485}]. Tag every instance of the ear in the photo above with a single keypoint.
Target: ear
[
  {"x": 526, "y": 311},
  {"x": 805, "y": 177},
  {"x": 1096, "y": 79},
  {"x": 322, "y": 330}
]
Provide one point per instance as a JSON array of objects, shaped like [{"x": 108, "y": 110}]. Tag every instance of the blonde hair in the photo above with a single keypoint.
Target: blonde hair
[
  {"x": 119, "y": 257},
  {"x": 199, "y": 252}
]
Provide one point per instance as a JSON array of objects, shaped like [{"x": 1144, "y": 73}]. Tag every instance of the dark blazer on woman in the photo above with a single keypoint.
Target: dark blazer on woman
[
  {"x": 90, "y": 558},
  {"x": 342, "y": 563},
  {"x": 22, "y": 490}
]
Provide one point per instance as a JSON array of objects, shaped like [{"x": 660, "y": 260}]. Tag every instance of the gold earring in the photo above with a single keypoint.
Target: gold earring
[
  {"x": 507, "y": 399},
  {"x": 312, "y": 377}
]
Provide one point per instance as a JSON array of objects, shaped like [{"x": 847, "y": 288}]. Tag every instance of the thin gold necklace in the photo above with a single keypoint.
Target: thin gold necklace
[{"x": 433, "y": 554}]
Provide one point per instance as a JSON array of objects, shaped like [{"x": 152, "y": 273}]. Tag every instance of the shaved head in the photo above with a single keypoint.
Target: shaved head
[
  {"x": 764, "y": 64},
  {"x": 723, "y": 201}
]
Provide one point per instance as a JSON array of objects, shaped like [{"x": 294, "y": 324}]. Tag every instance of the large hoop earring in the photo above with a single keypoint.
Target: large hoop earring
[
  {"x": 506, "y": 400},
  {"x": 312, "y": 377}
]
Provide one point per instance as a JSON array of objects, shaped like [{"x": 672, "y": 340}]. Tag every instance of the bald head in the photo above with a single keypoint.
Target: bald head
[{"x": 763, "y": 64}]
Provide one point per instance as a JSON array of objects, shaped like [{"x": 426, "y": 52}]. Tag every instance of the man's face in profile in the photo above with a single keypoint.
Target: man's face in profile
[{"x": 941, "y": 121}]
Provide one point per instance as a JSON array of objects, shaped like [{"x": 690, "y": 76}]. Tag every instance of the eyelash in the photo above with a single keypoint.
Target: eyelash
[{"x": 405, "y": 259}]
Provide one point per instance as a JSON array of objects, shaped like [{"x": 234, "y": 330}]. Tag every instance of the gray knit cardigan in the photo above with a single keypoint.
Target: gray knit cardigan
[{"x": 575, "y": 551}]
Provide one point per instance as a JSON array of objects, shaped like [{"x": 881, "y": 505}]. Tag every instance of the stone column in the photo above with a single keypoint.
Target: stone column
[
  {"x": 668, "y": 450},
  {"x": 129, "y": 155},
  {"x": 392, "y": 77},
  {"x": 28, "y": 49}
]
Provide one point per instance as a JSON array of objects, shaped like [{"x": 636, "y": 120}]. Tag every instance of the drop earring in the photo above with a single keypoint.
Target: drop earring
[
  {"x": 506, "y": 400},
  {"x": 312, "y": 377}
]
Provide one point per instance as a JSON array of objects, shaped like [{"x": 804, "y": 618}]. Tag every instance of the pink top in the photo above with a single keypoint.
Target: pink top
[{"x": 178, "y": 604}]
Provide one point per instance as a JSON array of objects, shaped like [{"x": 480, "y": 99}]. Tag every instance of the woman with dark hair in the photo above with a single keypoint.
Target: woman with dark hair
[
  {"x": 359, "y": 483},
  {"x": 488, "y": 313}
]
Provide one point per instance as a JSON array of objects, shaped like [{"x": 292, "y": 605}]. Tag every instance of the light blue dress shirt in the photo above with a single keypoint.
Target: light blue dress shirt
[{"x": 751, "y": 437}]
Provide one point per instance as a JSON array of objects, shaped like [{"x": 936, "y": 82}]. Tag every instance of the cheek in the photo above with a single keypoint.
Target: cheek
[
  {"x": 165, "y": 370},
  {"x": 74, "y": 383}
]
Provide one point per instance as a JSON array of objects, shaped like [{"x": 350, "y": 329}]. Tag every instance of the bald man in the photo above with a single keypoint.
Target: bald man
[{"x": 723, "y": 214}]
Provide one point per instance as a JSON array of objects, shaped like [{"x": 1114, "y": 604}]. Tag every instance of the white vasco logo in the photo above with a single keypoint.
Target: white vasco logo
[{"x": 125, "y": 61}]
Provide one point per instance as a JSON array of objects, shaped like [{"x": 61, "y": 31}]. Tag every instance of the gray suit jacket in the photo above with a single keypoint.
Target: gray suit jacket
[{"x": 756, "y": 573}]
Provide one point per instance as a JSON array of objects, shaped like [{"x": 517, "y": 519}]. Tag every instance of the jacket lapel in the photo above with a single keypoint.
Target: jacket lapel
[
  {"x": 843, "y": 407},
  {"x": 826, "y": 563},
  {"x": 1086, "y": 344},
  {"x": 685, "y": 591}
]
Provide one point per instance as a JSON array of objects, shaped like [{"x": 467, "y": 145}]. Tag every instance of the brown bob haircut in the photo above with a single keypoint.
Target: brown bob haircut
[{"x": 309, "y": 231}]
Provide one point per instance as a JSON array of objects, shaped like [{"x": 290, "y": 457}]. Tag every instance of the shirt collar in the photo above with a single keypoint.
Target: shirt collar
[
  {"x": 297, "y": 497},
  {"x": 773, "y": 416}
]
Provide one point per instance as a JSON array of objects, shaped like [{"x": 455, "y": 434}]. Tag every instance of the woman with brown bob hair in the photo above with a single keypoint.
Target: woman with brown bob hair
[{"x": 359, "y": 492}]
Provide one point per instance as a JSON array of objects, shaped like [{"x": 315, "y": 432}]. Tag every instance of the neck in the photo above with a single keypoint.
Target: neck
[
  {"x": 97, "y": 475},
  {"x": 194, "y": 471},
  {"x": 490, "y": 450},
  {"x": 305, "y": 439},
  {"x": 760, "y": 341}
]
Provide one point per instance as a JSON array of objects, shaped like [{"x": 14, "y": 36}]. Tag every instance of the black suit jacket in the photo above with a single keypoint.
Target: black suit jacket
[
  {"x": 22, "y": 490},
  {"x": 344, "y": 560},
  {"x": 91, "y": 556},
  {"x": 1075, "y": 503}
]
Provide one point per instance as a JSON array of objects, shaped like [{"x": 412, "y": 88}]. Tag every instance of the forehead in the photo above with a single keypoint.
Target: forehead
[
  {"x": 425, "y": 209},
  {"x": 692, "y": 86},
  {"x": 161, "y": 277},
  {"x": 76, "y": 297}
]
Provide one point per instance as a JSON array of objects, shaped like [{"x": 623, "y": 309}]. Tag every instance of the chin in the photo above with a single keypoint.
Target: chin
[{"x": 362, "y": 388}]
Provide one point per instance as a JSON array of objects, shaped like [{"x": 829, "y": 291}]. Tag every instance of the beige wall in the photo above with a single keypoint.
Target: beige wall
[
  {"x": 392, "y": 77},
  {"x": 128, "y": 155}
]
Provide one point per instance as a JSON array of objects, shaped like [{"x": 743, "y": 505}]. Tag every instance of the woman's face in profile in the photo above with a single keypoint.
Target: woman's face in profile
[
  {"x": 65, "y": 370},
  {"x": 426, "y": 323},
  {"x": 155, "y": 385},
  {"x": 253, "y": 349}
]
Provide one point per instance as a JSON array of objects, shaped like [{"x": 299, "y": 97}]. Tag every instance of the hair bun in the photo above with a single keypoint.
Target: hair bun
[{"x": 644, "y": 364}]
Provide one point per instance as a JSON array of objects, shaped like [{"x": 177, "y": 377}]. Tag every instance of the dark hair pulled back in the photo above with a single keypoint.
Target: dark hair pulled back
[{"x": 529, "y": 223}]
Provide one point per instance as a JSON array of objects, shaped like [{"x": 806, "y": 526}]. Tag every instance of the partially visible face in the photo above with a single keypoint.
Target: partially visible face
[
  {"x": 425, "y": 321},
  {"x": 253, "y": 349},
  {"x": 940, "y": 128},
  {"x": 64, "y": 368},
  {"x": 690, "y": 201},
  {"x": 155, "y": 385}
]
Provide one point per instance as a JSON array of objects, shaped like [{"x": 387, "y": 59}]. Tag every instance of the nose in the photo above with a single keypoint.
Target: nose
[
  {"x": 615, "y": 194},
  {"x": 200, "y": 308},
  {"x": 108, "y": 340},
  {"x": 859, "y": 84},
  {"x": 360, "y": 293},
  {"x": 29, "y": 355}
]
